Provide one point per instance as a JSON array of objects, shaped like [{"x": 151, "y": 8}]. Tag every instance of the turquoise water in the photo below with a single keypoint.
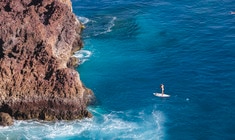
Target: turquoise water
[{"x": 131, "y": 47}]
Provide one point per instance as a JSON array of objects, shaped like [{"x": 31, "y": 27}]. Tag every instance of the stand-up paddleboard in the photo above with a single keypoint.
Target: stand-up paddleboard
[{"x": 161, "y": 95}]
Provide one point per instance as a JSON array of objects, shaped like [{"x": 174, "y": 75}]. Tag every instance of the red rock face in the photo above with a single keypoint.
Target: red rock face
[{"x": 37, "y": 38}]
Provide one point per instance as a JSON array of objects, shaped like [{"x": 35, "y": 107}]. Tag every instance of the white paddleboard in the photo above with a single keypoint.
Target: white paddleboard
[{"x": 161, "y": 95}]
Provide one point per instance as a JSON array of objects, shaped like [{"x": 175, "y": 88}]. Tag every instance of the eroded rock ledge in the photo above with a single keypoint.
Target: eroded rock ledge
[{"x": 37, "y": 78}]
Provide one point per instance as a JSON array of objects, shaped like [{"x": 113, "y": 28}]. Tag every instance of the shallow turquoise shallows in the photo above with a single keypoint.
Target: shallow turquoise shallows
[{"x": 133, "y": 46}]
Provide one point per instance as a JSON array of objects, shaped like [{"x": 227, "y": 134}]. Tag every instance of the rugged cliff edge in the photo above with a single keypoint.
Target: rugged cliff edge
[{"x": 37, "y": 78}]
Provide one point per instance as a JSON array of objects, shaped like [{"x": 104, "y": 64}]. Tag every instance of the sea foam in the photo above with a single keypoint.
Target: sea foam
[
  {"x": 98, "y": 25},
  {"x": 111, "y": 24}
]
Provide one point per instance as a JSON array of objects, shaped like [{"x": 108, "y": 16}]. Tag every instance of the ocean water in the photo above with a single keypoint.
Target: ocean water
[{"x": 133, "y": 46}]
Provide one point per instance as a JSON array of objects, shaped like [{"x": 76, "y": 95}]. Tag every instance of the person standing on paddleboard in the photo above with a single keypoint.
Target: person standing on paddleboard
[{"x": 162, "y": 87}]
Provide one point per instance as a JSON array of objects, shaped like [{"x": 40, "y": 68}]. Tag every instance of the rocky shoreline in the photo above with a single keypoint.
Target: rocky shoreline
[{"x": 37, "y": 75}]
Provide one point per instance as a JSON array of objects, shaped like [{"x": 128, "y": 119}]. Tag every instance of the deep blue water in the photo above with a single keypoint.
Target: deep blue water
[{"x": 130, "y": 48}]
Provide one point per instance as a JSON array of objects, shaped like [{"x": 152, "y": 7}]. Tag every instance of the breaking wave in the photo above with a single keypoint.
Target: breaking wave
[
  {"x": 82, "y": 55},
  {"x": 101, "y": 126},
  {"x": 83, "y": 20}
]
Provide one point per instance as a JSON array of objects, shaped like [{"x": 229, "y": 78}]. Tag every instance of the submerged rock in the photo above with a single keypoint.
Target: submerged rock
[{"x": 37, "y": 80}]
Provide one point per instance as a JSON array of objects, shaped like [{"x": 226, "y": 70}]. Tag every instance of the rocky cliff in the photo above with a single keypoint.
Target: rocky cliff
[{"x": 37, "y": 78}]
